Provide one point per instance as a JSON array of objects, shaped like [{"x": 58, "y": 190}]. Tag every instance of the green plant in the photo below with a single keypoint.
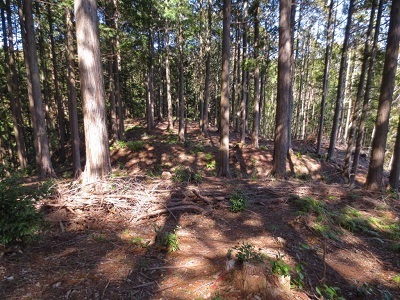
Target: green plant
[
  {"x": 279, "y": 267},
  {"x": 264, "y": 147},
  {"x": 396, "y": 278},
  {"x": 98, "y": 237},
  {"x": 246, "y": 252},
  {"x": 196, "y": 149},
  {"x": 135, "y": 146},
  {"x": 183, "y": 174},
  {"x": 19, "y": 219},
  {"x": 138, "y": 241},
  {"x": 238, "y": 202},
  {"x": 329, "y": 292},
  {"x": 210, "y": 165},
  {"x": 298, "y": 281},
  {"x": 167, "y": 239}
]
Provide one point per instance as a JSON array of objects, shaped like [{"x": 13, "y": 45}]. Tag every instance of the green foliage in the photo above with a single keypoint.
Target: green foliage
[
  {"x": 138, "y": 241},
  {"x": 167, "y": 239},
  {"x": 134, "y": 146},
  {"x": 329, "y": 292},
  {"x": 246, "y": 253},
  {"x": 298, "y": 281},
  {"x": 309, "y": 204},
  {"x": 183, "y": 174},
  {"x": 19, "y": 219},
  {"x": 396, "y": 278},
  {"x": 196, "y": 149},
  {"x": 238, "y": 202},
  {"x": 279, "y": 267}
]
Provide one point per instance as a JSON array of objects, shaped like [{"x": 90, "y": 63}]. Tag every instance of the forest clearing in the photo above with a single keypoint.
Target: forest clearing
[
  {"x": 343, "y": 241},
  {"x": 199, "y": 149}
]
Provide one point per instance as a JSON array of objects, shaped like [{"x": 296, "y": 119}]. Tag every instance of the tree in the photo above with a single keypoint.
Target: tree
[
  {"x": 327, "y": 61},
  {"x": 395, "y": 171},
  {"x": 360, "y": 91},
  {"x": 43, "y": 159},
  {"x": 375, "y": 170},
  {"x": 207, "y": 76},
  {"x": 282, "y": 129},
  {"x": 341, "y": 84},
  {"x": 12, "y": 85},
  {"x": 256, "y": 109},
  {"x": 92, "y": 90},
  {"x": 367, "y": 95},
  {"x": 72, "y": 104},
  {"x": 243, "y": 102},
  {"x": 224, "y": 130}
]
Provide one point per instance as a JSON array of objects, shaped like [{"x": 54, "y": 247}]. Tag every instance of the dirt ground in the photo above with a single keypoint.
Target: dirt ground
[{"x": 106, "y": 245}]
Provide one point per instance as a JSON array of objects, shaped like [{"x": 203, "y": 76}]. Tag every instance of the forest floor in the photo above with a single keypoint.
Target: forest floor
[{"x": 338, "y": 241}]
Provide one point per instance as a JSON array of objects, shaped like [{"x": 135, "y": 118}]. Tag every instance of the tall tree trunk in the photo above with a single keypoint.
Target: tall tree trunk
[
  {"x": 340, "y": 91},
  {"x": 360, "y": 91},
  {"x": 150, "y": 84},
  {"x": 243, "y": 102},
  {"x": 12, "y": 86},
  {"x": 327, "y": 62},
  {"x": 72, "y": 103},
  {"x": 395, "y": 171},
  {"x": 181, "y": 130},
  {"x": 282, "y": 128},
  {"x": 224, "y": 129},
  {"x": 111, "y": 91},
  {"x": 92, "y": 89},
  {"x": 117, "y": 71},
  {"x": 368, "y": 85},
  {"x": 207, "y": 76},
  {"x": 256, "y": 109},
  {"x": 58, "y": 99},
  {"x": 375, "y": 170},
  {"x": 168, "y": 79},
  {"x": 33, "y": 80}
]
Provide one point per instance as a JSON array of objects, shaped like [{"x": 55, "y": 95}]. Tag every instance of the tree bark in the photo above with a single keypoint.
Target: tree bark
[
  {"x": 43, "y": 159},
  {"x": 375, "y": 170},
  {"x": 92, "y": 88},
  {"x": 340, "y": 91},
  {"x": 12, "y": 86},
  {"x": 395, "y": 171},
  {"x": 368, "y": 85},
  {"x": 360, "y": 92},
  {"x": 72, "y": 103},
  {"x": 327, "y": 62},
  {"x": 207, "y": 76},
  {"x": 224, "y": 129},
  {"x": 282, "y": 129},
  {"x": 168, "y": 79},
  {"x": 243, "y": 103},
  {"x": 181, "y": 129},
  {"x": 57, "y": 95},
  {"x": 256, "y": 109}
]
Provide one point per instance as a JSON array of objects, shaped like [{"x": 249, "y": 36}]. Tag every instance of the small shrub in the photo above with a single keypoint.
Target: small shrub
[
  {"x": 238, "y": 202},
  {"x": 183, "y": 174},
  {"x": 167, "y": 239},
  {"x": 196, "y": 149},
  {"x": 279, "y": 267},
  {"x": 245, "y": 253},
  {"x": 19, "y": 219},
  {"x": 329, "y": 292},
  {"x": 135, "y": 146}
]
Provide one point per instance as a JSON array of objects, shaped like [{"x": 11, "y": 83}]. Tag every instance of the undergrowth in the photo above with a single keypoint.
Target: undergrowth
[{"x": 20, "y": 221}]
